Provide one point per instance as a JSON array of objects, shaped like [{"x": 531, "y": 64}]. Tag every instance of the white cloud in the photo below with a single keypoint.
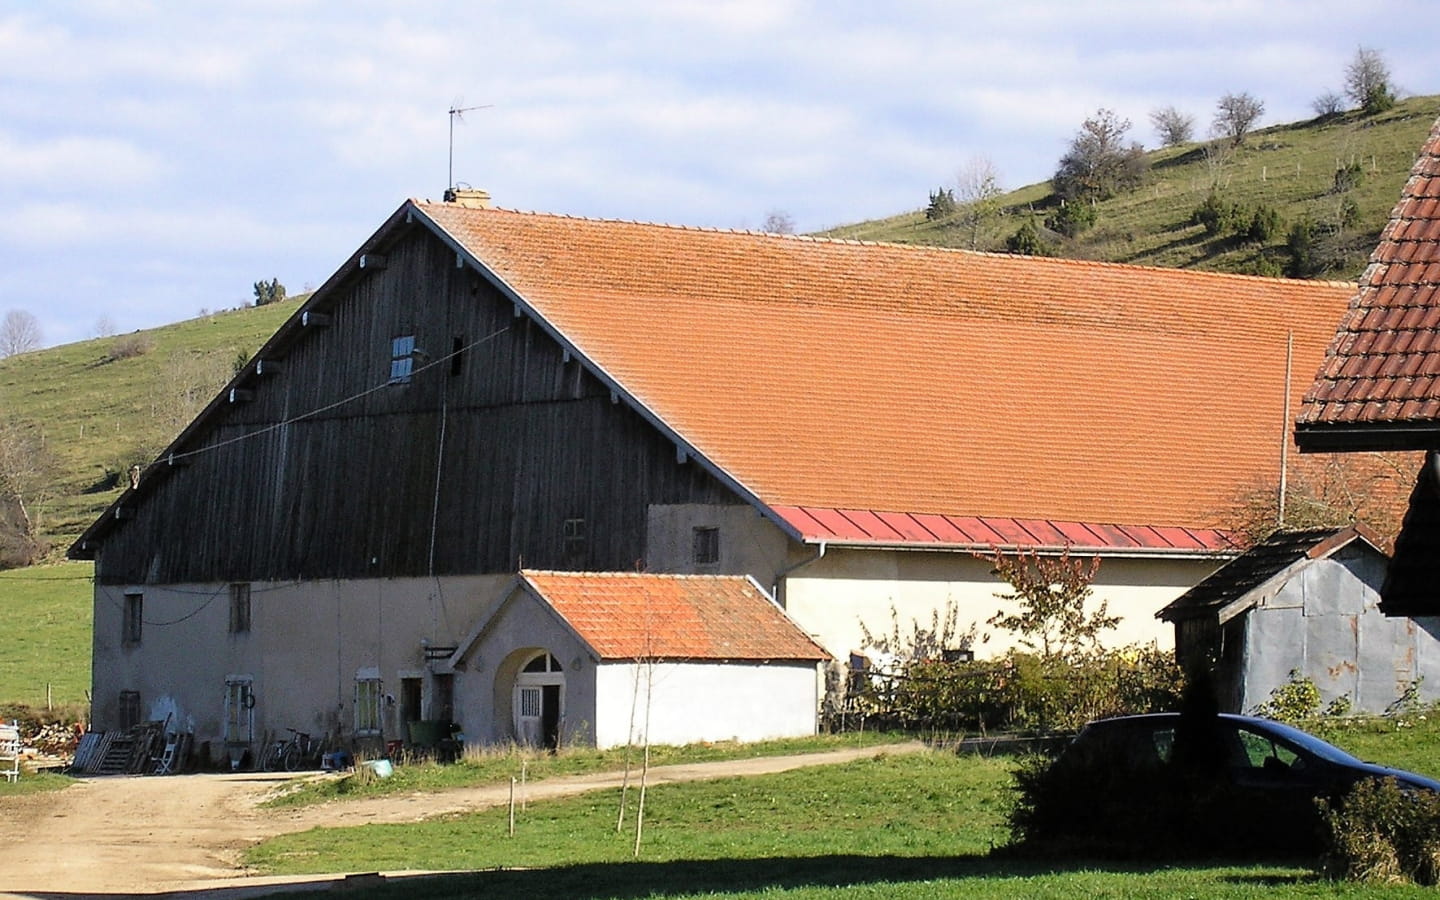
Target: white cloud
[
  {"x": 185, "y": 150},
  {"x": 82, "y": 163}
]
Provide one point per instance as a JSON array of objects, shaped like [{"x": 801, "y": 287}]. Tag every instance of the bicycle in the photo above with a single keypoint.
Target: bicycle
[{"x": 292, "y": 754}]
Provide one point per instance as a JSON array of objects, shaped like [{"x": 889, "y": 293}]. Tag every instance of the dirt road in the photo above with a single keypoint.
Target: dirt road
[{"x": 186, "y": 833}]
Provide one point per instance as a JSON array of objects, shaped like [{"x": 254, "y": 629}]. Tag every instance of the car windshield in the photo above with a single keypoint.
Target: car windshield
[{"x": 1308, "y": 742}]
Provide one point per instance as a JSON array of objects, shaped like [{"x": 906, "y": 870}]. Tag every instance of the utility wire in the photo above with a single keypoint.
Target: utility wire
[{"x": 275, "y": 426}]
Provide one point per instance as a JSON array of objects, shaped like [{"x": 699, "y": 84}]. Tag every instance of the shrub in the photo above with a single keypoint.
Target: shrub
[
  {"x": 1294, "y": 701},
  {"x": 1072, "y": 218},
  {"x": 1303, "y": 242},
  {"x": 1382, "y": 832},
  {"x": 1023, "y": 691},
  {"x": 1328, "y": 105},
  {"x": 1214, "y": 215},
  {"x": 942, "y": 204},
  {"x": 1218, "y": 217},
  {"x": 1263, "y": 225},
  {"x": 130, "y": 346},
  {"x": 1347, "y": 177},
  {"x": 1026, "y": 241}
]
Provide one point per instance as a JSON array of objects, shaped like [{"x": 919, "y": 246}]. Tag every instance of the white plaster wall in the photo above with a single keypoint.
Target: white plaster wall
[
  {"x": 691, "y": 702},
  {"x": 832, "y": 596},
  {"x": 305, "y": 645},
  {"x": 484, "y": 687},
  {"x": 750, "y": 544}
]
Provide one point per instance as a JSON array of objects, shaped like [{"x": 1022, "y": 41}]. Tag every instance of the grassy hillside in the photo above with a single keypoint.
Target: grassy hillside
[
  {"x": 45, "y": 618},
  {"x": 102, "y": 405},
  {"x": 1288, "y": 167}
]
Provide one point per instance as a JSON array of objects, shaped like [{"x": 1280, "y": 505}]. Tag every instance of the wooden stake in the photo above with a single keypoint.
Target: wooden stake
[{"x": 512, "y": 805}]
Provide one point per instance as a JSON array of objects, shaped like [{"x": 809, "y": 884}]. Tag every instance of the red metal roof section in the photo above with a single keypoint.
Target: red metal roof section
[
  {"x": 974, "y": 532},
  {"x": 1381, "y": 368},
  {"x": 644, "y": 616}
]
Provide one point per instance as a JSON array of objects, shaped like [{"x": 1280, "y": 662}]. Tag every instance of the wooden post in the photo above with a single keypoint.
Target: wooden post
[{"x": 512, "y": 805}]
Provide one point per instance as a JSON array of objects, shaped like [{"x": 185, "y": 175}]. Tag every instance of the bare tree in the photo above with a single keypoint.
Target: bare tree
[
  {"x": 1328, "y": 104},
  {"x": 1172, "y": 127},
  {"x": 104, "y": 326},
  {"x": 778, "y": 221},
  {"x": 977, "y": 191},
  {"x": 1367, "y": 81},
  {"x": 24, "y": 477},
  {"x": 1235, "y": 115},
  {"x": 1099, "y": 162},
  {"x": 19, "y": 333}
]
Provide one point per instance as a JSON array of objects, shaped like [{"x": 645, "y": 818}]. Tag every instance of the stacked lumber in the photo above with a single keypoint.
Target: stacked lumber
[{"x": 141, "y": 750}]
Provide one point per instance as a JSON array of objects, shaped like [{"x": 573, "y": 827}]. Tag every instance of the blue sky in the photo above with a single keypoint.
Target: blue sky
[{"x": 156, "y": 159}]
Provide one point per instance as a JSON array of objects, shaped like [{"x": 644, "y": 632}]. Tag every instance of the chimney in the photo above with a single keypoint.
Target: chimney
[{"x": 469, "y": 198}]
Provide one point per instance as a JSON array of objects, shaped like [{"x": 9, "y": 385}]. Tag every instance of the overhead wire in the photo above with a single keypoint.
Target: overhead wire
[{"x": 300, "y": 417}]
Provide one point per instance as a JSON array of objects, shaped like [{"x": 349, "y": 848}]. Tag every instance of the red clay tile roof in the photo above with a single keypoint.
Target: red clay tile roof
[
  {"x": 643, "y": 616},
  {"x": 1379, "y": 384},
  {"x": 854, "y": 376}
]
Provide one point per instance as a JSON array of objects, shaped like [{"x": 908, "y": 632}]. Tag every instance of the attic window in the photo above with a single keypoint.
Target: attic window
[
  {"x": 573, "y": 535},
  {"x": 402, "y": 358},
  {"x": 706, "y": 546},
  {"x": 457, "y": 355}
]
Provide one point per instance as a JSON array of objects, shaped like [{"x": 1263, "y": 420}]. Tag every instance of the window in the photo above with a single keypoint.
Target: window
[
  {"x": 367, "y": 705},
  {"x": 129, "y": 709},
  {"x": 543, "y": 663},
  {"x": 706, "y": 546},
  {"x": 530, "y": 700},
  {"x": 132, "y": 621},
  {"x": 402, "y": 358},
  {"x": 574, "y": 537},
  {"x": 239, "y": 608},
  {"x": 457, "y": 355}
]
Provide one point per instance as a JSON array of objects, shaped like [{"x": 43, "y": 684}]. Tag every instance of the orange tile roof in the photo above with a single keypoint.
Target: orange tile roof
[
  {"x": 848, "y": 375},
  {"x": 644, "y": 616},
  {"x": 1381, "y": 374}
]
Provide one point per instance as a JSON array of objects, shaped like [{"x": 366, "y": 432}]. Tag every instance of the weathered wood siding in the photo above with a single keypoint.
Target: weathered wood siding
[{"x": 328, "y": 472}]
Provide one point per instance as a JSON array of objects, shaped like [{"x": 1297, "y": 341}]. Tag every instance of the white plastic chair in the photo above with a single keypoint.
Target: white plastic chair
[{"x": 10, "y": 752}]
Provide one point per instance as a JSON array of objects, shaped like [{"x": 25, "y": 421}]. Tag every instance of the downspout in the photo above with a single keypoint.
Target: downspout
[{"x": 781, "y": 575}]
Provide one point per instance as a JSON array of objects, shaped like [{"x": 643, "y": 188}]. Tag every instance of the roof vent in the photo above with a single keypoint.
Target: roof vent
[{"x": 469, "y": 198}]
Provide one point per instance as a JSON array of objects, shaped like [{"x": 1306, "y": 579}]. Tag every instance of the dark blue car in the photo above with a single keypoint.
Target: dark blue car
[{"x": 1219, "y": 782}]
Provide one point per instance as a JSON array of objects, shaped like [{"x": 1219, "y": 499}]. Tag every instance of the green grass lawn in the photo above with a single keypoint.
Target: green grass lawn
[
  {"x": 45, "y": 618},
  {"x": 908, "y": 826},
  {"x": 34, "y": 784},
  {"x": 499, "y": 766}
]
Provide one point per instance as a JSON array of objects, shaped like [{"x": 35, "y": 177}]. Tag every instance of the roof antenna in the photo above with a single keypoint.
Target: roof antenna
[{"x": 457, "y": 112}]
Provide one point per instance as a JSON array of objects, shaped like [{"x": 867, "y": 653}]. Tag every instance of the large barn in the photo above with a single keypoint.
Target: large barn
[{"x": 478, "y": 392}]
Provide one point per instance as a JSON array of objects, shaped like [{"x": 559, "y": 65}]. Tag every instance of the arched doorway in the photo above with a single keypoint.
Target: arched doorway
[{"x": 539, "y": 703}]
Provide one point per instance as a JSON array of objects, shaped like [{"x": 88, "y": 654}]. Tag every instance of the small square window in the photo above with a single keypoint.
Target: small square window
[
  {"x": 132, "y": 622},
  {"x": 402, "y": 358},
  {"x": 239, "y": 608},
  {"x": 706, "y": 546}
]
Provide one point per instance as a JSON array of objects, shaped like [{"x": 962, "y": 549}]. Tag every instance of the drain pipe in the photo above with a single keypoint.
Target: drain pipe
[{"x": 780, "y": 575}]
